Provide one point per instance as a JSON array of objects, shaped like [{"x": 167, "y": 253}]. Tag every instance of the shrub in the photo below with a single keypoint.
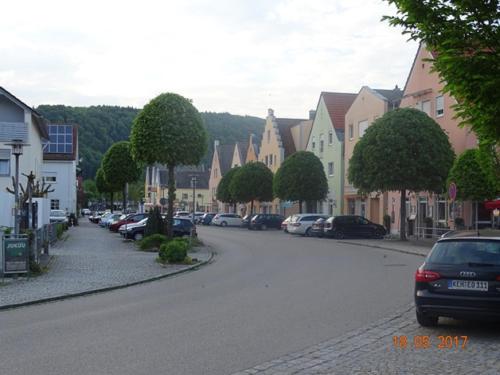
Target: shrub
[
  {"x": 174, "y": 251},
  {"x": 152, "y": 242},
  {"x": 155, "y": 223},
  {"x": 59, "y": 230}
]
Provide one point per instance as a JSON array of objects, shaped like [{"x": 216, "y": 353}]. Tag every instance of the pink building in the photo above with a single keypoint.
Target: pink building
[{"x": 424, "y": 91}]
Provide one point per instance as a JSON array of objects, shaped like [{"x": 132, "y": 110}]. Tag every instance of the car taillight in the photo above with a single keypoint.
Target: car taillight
[
  {"x": 426, "y": 276},
  {"x": 498, "y": 278},
  {"x": 295, "y": 224}
]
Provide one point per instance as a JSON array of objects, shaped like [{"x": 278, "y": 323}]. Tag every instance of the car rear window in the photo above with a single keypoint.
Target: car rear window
[{"x": 463, "y": 252}]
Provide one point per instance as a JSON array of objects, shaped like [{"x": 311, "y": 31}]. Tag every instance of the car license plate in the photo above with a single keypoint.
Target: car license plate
[{"x": 481, "y": 286}]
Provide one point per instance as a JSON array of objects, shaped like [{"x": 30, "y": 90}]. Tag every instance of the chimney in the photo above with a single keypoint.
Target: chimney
[
  {"x": 270, "y": 112},
  {"x": 216, "y": 143},
  {"x": 312, "y": 114}
]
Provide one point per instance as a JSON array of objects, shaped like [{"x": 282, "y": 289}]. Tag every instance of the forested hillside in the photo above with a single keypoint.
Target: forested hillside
[{"x": 101, "y": 126}]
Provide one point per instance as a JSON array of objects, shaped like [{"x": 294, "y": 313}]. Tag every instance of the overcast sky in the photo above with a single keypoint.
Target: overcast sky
[{"x": 237, "y": 56}]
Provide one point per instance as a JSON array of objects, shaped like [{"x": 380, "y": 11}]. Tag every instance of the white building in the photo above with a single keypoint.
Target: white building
[
  {"x": 60, "y": 159},
  {"x": 18, "y": 122}
]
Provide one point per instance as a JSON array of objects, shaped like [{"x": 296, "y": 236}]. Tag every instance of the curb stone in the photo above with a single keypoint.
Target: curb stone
[
  {"x": 384, "y": 248},
  {"x": 193, "y": 267}
]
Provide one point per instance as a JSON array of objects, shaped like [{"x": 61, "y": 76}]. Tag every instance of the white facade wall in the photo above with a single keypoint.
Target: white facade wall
[{"x": 65, "y": 186}]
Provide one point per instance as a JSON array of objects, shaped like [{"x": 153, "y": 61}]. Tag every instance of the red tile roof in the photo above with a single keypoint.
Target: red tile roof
[
  {"x": 284, "y": 126},
  {"x": 337, "y": 104}
]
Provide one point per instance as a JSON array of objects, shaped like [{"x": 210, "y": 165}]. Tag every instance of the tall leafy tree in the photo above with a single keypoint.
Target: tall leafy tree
[
  {"x": 464, "y": 36},
  {"x": 90, "y": 190},
  {"x": 104, "y": 187},
  {"x": 223, "y": 191},
  {"x": 252, "y": 182},
  {"x": 169, "y": 131},
  {"x": 473, "y": 183},
  {"x": 403, "y": 150},
  {"x": 301, "y": 178},
  {"x": 120, "y": 168}
]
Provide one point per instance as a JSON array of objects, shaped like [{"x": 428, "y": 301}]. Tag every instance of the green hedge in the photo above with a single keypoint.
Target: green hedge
[{"x": 174, "y": 251}]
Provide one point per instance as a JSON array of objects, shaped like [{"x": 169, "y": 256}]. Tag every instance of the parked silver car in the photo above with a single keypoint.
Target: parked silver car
[{"x": 302, "y": 223}]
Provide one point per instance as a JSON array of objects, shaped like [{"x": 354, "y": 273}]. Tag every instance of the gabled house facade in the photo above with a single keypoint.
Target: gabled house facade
[
  {"x": 252, "y": 149},
  {"x": 326, "y": 141},
  {"x": 281, "y": 138},
  {"x": 239, "y": 154},
  {"x": 18, "y": 121},
  {"x": 424, "y": 90},
  {"x": 221, "y": 163},
  {"x": 369, "y": 105},
  {"x": 60, "y": 159}
]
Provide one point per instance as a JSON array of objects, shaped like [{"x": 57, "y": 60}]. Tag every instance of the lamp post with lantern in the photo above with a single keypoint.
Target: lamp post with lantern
[{"x": 17, "y": 150}]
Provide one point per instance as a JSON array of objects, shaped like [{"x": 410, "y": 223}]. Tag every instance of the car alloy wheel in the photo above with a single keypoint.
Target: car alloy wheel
[
  {"x": 263, "y": 227},
  {"x": 138, "y": 236},
  {"x": 223, "y": 224},
  {"x": 308, "y": 232},
  {"x": 339, "y": 235}
]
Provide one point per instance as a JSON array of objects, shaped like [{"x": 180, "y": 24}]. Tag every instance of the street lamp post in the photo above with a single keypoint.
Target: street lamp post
[
  {"x": 17, "y": 150},
  {"x": 193, "y": 184}
]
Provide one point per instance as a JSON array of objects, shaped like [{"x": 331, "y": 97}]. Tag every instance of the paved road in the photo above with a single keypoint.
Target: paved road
[{"x": 267, "y": 294}]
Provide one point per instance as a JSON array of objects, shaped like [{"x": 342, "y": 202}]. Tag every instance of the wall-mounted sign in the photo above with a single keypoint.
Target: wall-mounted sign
[
  {"x": 15, "y": 256},
  {"x": 452, "y": 191}
]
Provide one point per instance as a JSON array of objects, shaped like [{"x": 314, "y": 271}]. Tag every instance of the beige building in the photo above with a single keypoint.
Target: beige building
[
  {"x": 221, "y": 163},
  {"x": 369, "y": 105},
  {"x": 281, "y": 138}
]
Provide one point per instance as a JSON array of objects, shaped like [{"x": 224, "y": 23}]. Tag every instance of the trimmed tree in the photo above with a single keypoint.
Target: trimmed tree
[
  {"x": 103, "y": 186},
  {"x": 169, "y": 131},
  {"x": 155, "y": 224},
  {"x": 465, "y": 39},
  {"x": 403, "y": 150},
  {"x": 301, "y": 178},
  {"x": 223, "y": 191},
  {"x": 251, "y": 182},
  {"x": 119, "y": 167},
  {"x": 473, "y": 183}
]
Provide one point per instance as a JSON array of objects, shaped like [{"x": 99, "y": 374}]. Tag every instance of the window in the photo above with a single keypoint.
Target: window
[
  {"x": 4, "y": 162},
  {"x": 267, "y": 160},
  {"x": 54, "y": 204},
  {"x": 426, "y": 107},
  {"x": 313, "y": 142},
  {"x": 351, "y": 131},
  {"x": 363, "y": 125},
  {"x": 439, "y": 106},
  {"x": 274, "y": 159},
  {"x": 268, "y": 136},
  {"x": 215, "y": 172},
  {"x": 330, "y": 169},
  {"x": 321, "y": 143},
  {"x": 330, "y": 137},
  {"x": 50, "y": 179},
  {"x": 60, "y": 139},
  {"x": 184, "y": 196}
]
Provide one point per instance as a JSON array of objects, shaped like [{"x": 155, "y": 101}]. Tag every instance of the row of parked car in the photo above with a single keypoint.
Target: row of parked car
[
  {"x": 309, "y": 225},
  {"x": 132, "y": 226}
]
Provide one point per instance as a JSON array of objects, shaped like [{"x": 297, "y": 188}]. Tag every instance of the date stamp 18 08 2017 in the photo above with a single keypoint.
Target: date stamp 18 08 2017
[{"x": 428, "y": 342}]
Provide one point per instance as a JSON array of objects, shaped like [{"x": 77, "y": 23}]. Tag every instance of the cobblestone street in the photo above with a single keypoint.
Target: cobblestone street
[
  {"x": 90, "y": 258},
  {"x": 398, "y": 345}
]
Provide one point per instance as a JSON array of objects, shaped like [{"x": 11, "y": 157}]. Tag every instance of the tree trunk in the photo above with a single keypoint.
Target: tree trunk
[
  {"x": 112, "y": 195},
  {"x": 300, "y": 206},
  {"x": 477, "y": 204},
  {"x": 124, "y": 202},
  {"x": 251, "y": 208},
  {"x": 171, "y": 199},
  {"x": 402, "y": 214}
]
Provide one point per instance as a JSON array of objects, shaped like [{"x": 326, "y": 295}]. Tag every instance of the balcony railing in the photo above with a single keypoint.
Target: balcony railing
[{"x": 10, "y": 131}]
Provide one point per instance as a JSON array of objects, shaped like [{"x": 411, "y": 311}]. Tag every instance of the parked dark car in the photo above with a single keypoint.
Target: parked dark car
[
  {"x": 266, "y": 221},
  {"x": 206, "y": 219},
  {"x": 460, "y": 278},
  {"x": 132, "y": 218},
  {"x": 318, "y": 228},
  {"x": 352, "y": 226},
  {"x": 182, "y": 227},
  {"x": 245, "y": 222}
]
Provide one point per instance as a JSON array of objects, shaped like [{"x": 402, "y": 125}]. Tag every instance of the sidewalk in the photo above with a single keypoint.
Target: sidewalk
[
  {"x": 91, "y": 259},
  {"x": 416, "y": 247}
]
